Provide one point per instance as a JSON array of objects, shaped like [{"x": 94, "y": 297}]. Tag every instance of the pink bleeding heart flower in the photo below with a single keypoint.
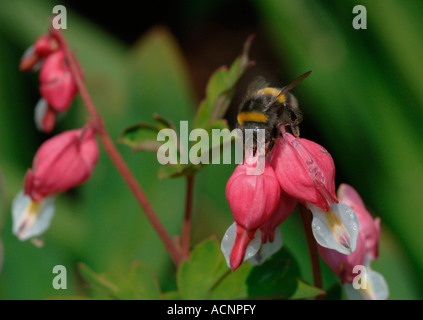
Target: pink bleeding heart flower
[
  {"x": 285, "y": 207},
  {"x": 369, "y": 227},
  {"x": 61, "y": 163},
  {"x": 252, "y": 199},
  {"x": 343, "y": 264},
  {"x": 360, "y": 281},
  {"x": 306, "y": 172},
  {"x": 57, "y": 84},
  {"x": 271, "y": 235},
  {"x": 35, "y": 54}
]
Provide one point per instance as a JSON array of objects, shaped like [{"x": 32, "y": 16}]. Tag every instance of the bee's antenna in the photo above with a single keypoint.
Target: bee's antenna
[{"x": 290, "y": 86}]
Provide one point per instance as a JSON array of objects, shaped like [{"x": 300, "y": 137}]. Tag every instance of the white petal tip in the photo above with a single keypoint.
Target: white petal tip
[
  {"x": 228, "y": 242},
  {"x": 268, "y": 249},
  {"x": 372, "y": 287},
  {"x": 31, "y": 219},
  {"x": 336, "y": 229}
]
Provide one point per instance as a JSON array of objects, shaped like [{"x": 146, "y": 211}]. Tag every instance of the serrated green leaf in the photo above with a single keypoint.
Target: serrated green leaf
[{"x": 205, "y": 266}]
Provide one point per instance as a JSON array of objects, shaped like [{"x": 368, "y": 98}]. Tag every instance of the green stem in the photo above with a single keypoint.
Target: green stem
[{"x": 186, "y": 227}]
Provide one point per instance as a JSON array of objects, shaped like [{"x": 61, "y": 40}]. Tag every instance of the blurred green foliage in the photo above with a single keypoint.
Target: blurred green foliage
[{"x": 364, "y": 99}]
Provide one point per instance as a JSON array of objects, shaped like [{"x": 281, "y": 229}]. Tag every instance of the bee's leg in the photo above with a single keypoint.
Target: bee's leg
[
  {"x": 271, "y": 145},
  {"x": 295, "y": 129},
  {"x": 274, "y": 135}
]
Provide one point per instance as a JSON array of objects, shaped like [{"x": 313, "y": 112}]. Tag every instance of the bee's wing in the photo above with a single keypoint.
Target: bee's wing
[
  {"x": 285, "y": 89},
  {"x": 257, "y": 84}
]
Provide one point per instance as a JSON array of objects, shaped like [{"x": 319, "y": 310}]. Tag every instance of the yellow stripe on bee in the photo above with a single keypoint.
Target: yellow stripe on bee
[
  {"x": 251, "y": 116},
  {"x": 274, "y": 92}
]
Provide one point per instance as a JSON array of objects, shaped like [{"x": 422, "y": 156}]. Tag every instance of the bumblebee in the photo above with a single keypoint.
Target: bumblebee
[{"x": 268, "y": 108}]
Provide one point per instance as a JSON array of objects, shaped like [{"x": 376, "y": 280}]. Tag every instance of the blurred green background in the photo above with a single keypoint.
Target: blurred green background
[{"x": 363, "y": 102}]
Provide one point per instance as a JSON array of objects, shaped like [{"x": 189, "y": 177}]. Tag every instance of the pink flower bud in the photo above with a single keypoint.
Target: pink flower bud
[
  {"x": 368, "y": 227},
  {"x": 57, "y": 85},
  {"x": 61, "y": 163},
  {"x": 45, "y": 117},
  {"x": 305, "y": 171},
  {"x": 286, "y": 206},
  {"x": 252, "y": 199},
  {"x": 44, "y": 46},
  {"x": 360, "y": 281}
]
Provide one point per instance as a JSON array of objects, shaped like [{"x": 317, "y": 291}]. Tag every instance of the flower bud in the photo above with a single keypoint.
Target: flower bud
[
  {"x": 57, "y": 84},
  {"x": 45, "y": 117},
  {"x": 35, "y": 54},
  {"x": 305, "y": 171},
  {"x": 62, "y": 162},
  {"x": 252, "y": 199},
  {"x": 360, "y": 282}
]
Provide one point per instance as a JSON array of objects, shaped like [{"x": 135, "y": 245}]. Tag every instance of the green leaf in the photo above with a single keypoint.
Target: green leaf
[
  {"x": 334, "y": 292},
  {"x": 141, "y": 137},
  {"x": 220, "y": 89},
  {"x": 183, "y": 170},
  {"x": 277, "y": 278},
  {"x": 144, "y": 136},
  {"x": 144, "y": 283},
  {"x": 269, "y": 279},
  {"x": 98, "y": 282},
  {"x": 304, "y": 290},
  {"x": 171, "y": 295},
  {"x": 163, "y": 123},
  {"x": 139, "y": 283},
  {"x": 234, "y": 285},
  {"x": 177, "y": 170},
  {"x": 69, "y": 298},
  {"x": 205, "y": 266}
]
